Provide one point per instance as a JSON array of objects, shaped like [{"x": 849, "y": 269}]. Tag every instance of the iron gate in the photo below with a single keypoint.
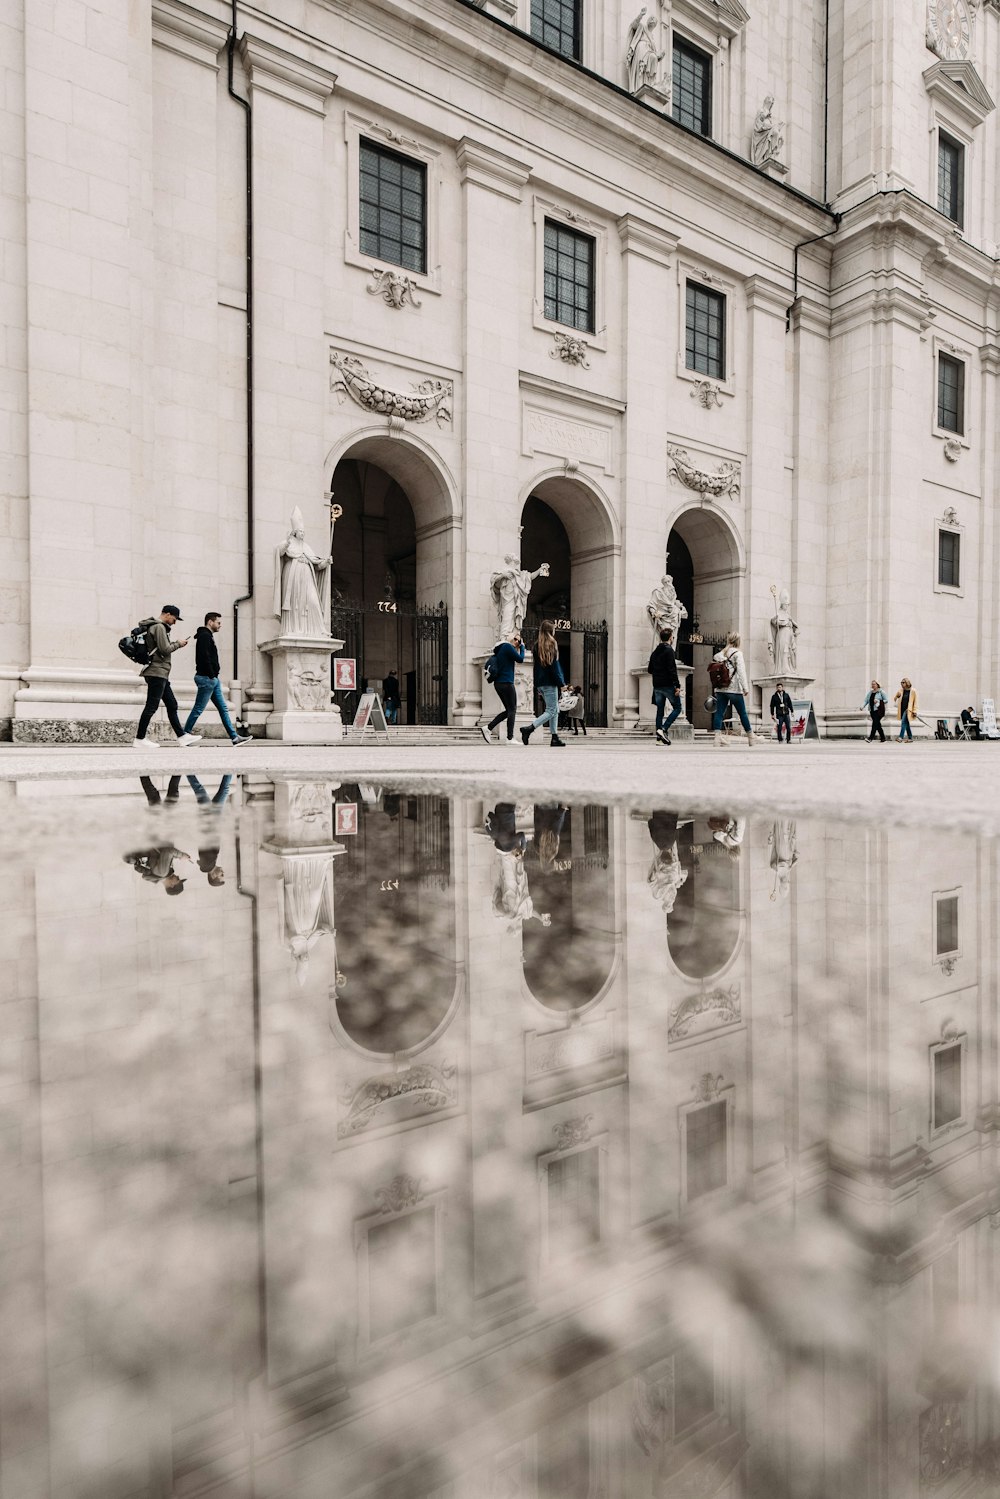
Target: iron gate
[
  {"x": 419, "y": 636},
  {"x": 594, "y": 678}
]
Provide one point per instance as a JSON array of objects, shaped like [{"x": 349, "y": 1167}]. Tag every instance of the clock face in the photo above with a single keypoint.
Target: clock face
[{"x": 951, "y": 26}]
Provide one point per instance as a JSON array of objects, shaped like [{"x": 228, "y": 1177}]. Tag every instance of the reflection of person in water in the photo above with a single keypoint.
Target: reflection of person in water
[
  {"x": 208, "y": 853},
  {"x": 548, "y": 832},
  {"x": 729, "y": 831},
  {"x": 157, "y": 866},
  {"x": 152, "y": 794},
  {"x": 666, "y": 873},
  {"x": 511, "y": 899}
]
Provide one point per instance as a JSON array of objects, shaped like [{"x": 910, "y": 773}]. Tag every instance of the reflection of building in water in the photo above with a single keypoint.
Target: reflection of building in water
[{"x": 715, "y": 1219}]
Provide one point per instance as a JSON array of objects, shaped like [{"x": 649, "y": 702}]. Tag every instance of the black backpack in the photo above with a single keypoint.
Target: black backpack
[
  {"x": 490, "y": 669},
  {"x": 138, "y": 645}
]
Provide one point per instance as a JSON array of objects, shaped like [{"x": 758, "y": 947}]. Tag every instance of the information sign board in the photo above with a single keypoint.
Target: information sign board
[
  {"x": 370, "y": 714},
  {"x": 988, "y": 720},
  {"x": 345, "y": 674}
]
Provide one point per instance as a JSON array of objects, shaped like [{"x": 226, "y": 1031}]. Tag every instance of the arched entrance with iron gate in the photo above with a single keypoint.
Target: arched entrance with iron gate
[
  {"x": 704, "y": 559},
  {"x": 391, "y": 580},
  {"x": 567, "y": 523}
]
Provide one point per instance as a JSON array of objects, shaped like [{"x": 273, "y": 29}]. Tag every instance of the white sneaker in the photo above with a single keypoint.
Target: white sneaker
[
  {"x": 144, "y": 744},
  {"x": 189, "y": 739},
  {"x": 486, "y": 733}
]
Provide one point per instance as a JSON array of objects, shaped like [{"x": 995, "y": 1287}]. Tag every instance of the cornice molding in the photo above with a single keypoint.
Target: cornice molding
[
  {"x": 639, "y": 237},
  {"x": 764, "y": 295},
  {"x": 959, "y": 86},
  {"x": 491, "y": 169},
  {"x": 272, "y": 70},
  {"x": 726, "y": 18},
  {"x": 808, "y": 316},
  {"x": 188, "y": 33}
]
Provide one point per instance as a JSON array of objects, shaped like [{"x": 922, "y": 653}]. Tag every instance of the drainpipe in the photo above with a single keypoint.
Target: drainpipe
[
  {"x": 247, "y": 108},
  {"x": 795, "y": 265}
]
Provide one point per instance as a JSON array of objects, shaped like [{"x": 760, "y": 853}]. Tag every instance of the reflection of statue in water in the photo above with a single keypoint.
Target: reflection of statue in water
[
  {"x": 511, "y": 898},
  {"x": 308, "y": 909},
  {"x": 783, "y": 633},
  {"x": 766, "y": 139},
  {"x": 666, "y": 873},
  {"x": 509, "y": 588},
  {"x": 784, "y": 855},
  {"x": 665, "y": 609},
  {"x": 301, "y": 584},
  {"x": 641, "y": 56}
]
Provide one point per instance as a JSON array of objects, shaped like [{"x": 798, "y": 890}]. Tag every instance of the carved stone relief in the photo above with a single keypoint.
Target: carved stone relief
[
  {"x": 402, "y": 1192},
  {"x": 725, "y": 480},
  {"x": 394, "y": 289},
  {"x": 721, "y": 1003},
  {"x": 706, "y": 394},
  {"x": 430, "y": 398},
  {"x": 570, "y": 350},
  {"x": 572, "y": 1132},
  {"x": 428, "y": 1087}
]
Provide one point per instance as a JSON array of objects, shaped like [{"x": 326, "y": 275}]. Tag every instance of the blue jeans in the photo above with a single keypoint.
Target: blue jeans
[
  {"x": 550, "y": 713},
  {"x": 660, "y": 698},
  {"x": 784, "y": 724},
  {"x": 905, "y": 732},
  {"x": 209, "y": 690},
  {"x": 724, "y": 700}
]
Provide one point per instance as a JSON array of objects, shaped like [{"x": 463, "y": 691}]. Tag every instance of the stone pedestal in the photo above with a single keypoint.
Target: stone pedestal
[
  {"x": 655, "y": 95},
  {"x": 303, "y": 711},
  {"x": 681, "y": 728},
  {"x": 797, "y": 688}
]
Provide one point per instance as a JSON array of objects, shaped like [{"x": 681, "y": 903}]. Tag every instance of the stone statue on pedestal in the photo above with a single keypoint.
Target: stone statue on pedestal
[
  {"x": 301, "y": 584},
  {"x": 783, "y": 633},
  {"x": 509, "y": 589},
  {"x": 665, "y": 609},
  {"x": 766, "y": 138},
  {"x": 641, "y": 57}
]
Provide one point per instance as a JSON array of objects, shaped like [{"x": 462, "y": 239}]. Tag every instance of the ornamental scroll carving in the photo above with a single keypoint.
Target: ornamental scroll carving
[
  {"x": 430, "y": 398},
  {"x": 431, "y": 1087},
  {"x": 402, "y": 1192},
  {"x": 725, "y": 1003},
  {"x": 724, "y": 480}
]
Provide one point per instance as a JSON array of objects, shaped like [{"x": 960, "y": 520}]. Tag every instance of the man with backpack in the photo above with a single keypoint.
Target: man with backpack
[
  {"x": 152, "y": 637},
  {"x": 666, "y": 684},
  {"x": 727, "y": 672},
  {"x": 206, "y": 679},
  {"x": 499, "y": 671}
]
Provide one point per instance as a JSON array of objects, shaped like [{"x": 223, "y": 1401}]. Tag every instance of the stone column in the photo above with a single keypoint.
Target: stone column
[
  {"x": 291, "y": 366},
  {"x": 646, "y": 252},
  {"x": 493, "y": 221},
  {"x": 14, "y": 559},
  {"x": 989, "y": 548}
]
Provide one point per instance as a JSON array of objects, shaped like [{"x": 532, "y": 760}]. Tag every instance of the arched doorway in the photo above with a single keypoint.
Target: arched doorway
[
  {"x": 703, "y": 557},
  {"x": 567, "y": 524},
  {"x": 570, "y": 953},
  {"x": 392, "y": 573}
]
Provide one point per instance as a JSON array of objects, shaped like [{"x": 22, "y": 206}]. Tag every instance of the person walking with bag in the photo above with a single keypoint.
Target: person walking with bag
[
  {"x": 662, "y": 668},
  {"x": 875, "y": 705},
  {"x": 549, "y": 680},
  {"x": 206, "y": 679},
  {"x": 731, "y": 685},
  {"x": 506, "y": 655},
  {"x": 906, "y": 708},
  {"x": 157, "y": 678}
]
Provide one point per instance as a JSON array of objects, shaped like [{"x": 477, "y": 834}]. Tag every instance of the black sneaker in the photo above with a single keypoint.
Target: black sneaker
[
  {"x": 525, "y": 735},
  {"x": 555, "y": 742},
  {"x": 242, "y": 738}
]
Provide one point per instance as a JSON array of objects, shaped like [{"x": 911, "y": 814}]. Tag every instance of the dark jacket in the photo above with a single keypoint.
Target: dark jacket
[
  {"x": 390, "y": 689},
  {"x": 548, "y": 676},
  {"x": 505, "y": 657},
  {"x": 502, "y": 826},
  {"x": 663, "y": 666},
  {"x": 781, "y": 703},
  {"x": 164, "y": 647},
  {"x": 206, "y": 653}
]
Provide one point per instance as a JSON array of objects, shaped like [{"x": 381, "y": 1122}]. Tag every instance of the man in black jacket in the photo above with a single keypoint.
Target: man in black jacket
[
  {"x": 206, "y": 678},
  {"x": 666, "y": 684},
  {"x": 781, "y": 712}
]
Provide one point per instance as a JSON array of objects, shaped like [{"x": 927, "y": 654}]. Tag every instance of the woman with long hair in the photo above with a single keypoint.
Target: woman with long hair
[
  {"x": 906, "y": 708},
  {"x": 548, "y": 681}
]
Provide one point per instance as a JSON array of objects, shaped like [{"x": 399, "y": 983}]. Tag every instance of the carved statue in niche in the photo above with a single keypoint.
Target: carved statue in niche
[
  {"x": 783, "y": 633},
  {"x": 665, "y": 609},
  {"x": 641, "y": 57},
  {"x": 509, "y": 589},
  {"x": 766, "y": 138},
  {"x": 301, "y": 584}
]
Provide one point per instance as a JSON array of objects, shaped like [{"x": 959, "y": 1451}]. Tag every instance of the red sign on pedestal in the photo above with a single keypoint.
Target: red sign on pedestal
[
  {"x": 346, "y": 818},
  {"x": 345, "y": 674}
]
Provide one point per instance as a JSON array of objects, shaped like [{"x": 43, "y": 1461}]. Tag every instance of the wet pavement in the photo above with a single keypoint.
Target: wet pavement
[{"x": 361, "y": 1143}]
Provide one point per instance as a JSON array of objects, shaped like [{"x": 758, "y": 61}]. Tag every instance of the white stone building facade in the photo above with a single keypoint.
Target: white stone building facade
[{"x": 816, "y": 336}]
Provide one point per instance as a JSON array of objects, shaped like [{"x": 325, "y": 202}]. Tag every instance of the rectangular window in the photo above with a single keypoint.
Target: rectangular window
[
  {"x": 393, "y": 207},
  {"x": 557, "y": 24},
  {"x": 707, "y": 1149},
  {"x": 705, "y": 331},
  {"x": 947, "y": 1085},
  {"x": 569, "y": 277},
  {"x": 692, "y": 87},
  {"x": 946, "y": 927},
  {"x": 694, "y": 1388},
  {"x": 402, "y": 1273},
  {"x": 949, "y": 576},
  {"x": 951, "y": 394},
  {"x": 951, "y": 178},
  {"x": 574, "y": 1203}
]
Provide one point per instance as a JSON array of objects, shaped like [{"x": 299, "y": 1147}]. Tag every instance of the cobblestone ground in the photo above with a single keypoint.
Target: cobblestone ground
[{"x": 929, "y": 783}]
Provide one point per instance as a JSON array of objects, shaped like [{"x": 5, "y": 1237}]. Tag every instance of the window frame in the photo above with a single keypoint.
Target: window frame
[
  {"x": 578, "y": 55},
  {"x": 388, "y": 153},
  {"x": 945, "y": 359},
  {"x": 416, "y": 1332},
  {"x": 938, "y": 897},
  {"x": 950, "y": 1039},
  {"x": 408, "y": 147},
  {"x": 710, "y": 1091},
  {"x": 946, "y": 138},
  {"x": 694, "y": 289},
  {"x": 679, "y": 37},
  {"x": 955, "y": 442},
  {"x": 942, "y": 528},
  {"x": 709, "y": 280},
  {"x": 558, "y": 213},
  {"x": 551, "y": 1261},
  {"x": 568, "y": 230}
]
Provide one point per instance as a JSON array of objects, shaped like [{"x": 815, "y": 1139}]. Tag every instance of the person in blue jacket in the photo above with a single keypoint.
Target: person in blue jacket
[
  {"x": 875, "y": 705},
  {"x": 548, "y": 681},
  {"x": 506, "y": 655}
]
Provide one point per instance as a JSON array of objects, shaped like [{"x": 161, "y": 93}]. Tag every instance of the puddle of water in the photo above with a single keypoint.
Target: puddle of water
[{"x": 358, "y": 1143}]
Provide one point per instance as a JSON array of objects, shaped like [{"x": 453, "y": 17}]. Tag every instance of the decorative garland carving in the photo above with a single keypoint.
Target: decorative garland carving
[
  {"x": 433, "y": 1087},
  {"x": 725, "y": 479},
  {"x": 402, "y": 1192},
  {"x": 429, "y": 398},
  {"x": 723, "y": 1002}
]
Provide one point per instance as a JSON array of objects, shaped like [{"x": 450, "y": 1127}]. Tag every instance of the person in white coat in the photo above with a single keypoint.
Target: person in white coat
[{"x": 736, "y": 693}]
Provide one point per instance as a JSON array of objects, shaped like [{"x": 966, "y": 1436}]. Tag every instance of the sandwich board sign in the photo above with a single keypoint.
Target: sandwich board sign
[
  {"x": 988, "y": 726},
  {"x": 803, "y": 720},
  {"x": 370, "y": 714}
]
